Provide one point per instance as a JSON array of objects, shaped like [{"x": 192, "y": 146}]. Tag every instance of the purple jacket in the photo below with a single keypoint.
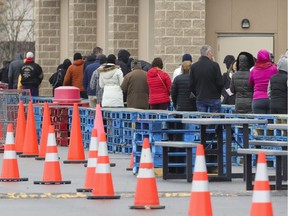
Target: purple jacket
[{"x": 261, "y": 73}]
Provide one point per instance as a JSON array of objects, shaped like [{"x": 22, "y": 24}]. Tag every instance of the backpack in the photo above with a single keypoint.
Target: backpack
[{"x": 58, "y": 79}]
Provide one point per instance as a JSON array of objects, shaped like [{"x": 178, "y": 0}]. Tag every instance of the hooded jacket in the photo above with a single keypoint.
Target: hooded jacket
[
  {"x": 239, "y": 83},
  {"x": 123, "y": 61},
  {"x": 14, "y": 71},
  {"x": 111, "y": 77},
  {"x": 261, "y": 73},
  {"x": 31, "y": 73},
  {"x": 159, "y": 89}
]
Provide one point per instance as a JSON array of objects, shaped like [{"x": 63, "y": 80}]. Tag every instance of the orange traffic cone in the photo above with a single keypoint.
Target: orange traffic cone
[
  {"x": 103, "y": 183},
  {"x": 30, "y": 146},
  {"x": 10, "y": 171},
  {"x": 146, "y": 196},
  {"x": 76, "y": 147},
  {"x": 52, "y": 172},
  {"x": 131, "y": 165},
  {"x": 200, "y": 200},
  {"x": 44, "y": 133},
  {"x": 92, "y": 162},
  {"x": 98, "y": 122},
  {"x": 261, "y": 201},
  {"x": 20, "y": 129}
]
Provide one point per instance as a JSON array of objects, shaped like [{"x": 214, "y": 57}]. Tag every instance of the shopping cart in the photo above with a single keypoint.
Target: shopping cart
[{"x": 9, "y": 101}]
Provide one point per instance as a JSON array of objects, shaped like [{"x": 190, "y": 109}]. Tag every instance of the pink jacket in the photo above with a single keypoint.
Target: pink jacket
[{"x": 261, "y": 73}]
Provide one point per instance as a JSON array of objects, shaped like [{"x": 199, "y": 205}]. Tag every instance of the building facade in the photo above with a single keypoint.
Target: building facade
[{"x": 155, "y": 28}]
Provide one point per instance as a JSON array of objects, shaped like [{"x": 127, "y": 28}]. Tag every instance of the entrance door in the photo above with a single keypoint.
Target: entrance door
[{"x": 233, "y": 44}]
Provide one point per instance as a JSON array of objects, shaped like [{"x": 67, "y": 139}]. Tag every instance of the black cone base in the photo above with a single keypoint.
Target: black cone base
[
  {"x": 75, "y": 161},
  {"x": 83, "y": 190},
  {"x": 103, "y": 197},
  {"x": 52, "y": 182},
  {"x": 40, "y": 158},
  {"x": 27, "y": 155},
  {"x": 13, "y": 179},
  {"x": 147, "y": 207}
]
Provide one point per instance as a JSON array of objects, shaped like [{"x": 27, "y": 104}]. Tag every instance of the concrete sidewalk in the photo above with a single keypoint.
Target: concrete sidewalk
[{"x": 25, "y": 198}]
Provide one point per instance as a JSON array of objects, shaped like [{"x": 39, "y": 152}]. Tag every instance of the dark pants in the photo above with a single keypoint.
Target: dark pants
[
  {"x": 209, "y": 105},
  {"x": 161, "y": 106},
  {"x": 34, "y": 91},
  {"x": 261, "y": 106}
]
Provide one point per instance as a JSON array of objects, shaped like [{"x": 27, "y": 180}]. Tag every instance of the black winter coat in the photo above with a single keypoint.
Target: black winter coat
[
  {"x": 278, "y": 92},
  {"x": 180, "y": 94},
  {"x": 243, "y": 91}
]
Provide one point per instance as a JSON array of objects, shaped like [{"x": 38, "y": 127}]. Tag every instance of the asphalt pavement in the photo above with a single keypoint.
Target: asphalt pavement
[{"x": 28, "y": 199}]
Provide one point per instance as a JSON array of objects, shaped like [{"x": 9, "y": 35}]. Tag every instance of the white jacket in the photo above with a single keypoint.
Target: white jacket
[{"x": 111, "y": 78}]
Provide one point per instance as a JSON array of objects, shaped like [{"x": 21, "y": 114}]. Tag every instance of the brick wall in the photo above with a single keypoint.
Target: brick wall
[
  {"x": 179, "y": 29},
  {"x": 47, "y": 39},
  {"x": 123, "y": 26}
]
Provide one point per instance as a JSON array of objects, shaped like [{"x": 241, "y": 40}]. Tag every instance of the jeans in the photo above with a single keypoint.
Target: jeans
[{"x": 209, "y": 105}]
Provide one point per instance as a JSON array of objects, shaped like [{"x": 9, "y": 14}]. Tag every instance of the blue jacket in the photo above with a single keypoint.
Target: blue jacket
[{"x": 87, "y": 77}]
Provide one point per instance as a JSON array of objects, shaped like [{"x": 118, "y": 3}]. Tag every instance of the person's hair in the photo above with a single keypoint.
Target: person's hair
[
  {"x": 97, "y": 50},
  {"x": 157, "y": 62},
  {"x": 230, "y": 69},
  {"x": 205, "y": 49},
  {"x": 186, "y": 67},
  {"x": 135, "y": 64},
  {"x": 111, "y": 59}
]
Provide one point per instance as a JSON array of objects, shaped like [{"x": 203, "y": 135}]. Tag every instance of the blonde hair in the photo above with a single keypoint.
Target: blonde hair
[{"x": 186, "y": 67}]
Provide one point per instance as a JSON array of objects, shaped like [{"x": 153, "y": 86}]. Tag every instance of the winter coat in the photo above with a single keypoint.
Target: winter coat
[
  {"x": 260, "y": 75},
  {"x": 31, "y": 73},
  {"x": 159, "y": 89},
  {"x": 206, "y": 79},
  {"x": 111, "y": 77},
  {"x": 90, "y": 60},
  {"x": 278, "y": 91},
  {"x": 180, "y": 94},
  {"x": 87, "y": 77},
  {"x": 14, "y": 71},
  {"x": 74, "y": 75},
  {"x": 136, "y": 87},
  {"x": 240, "y": 87}
]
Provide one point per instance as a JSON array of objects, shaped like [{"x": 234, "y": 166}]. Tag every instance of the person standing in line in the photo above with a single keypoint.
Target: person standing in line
[
  {"x": 4, "y": 72},
  {"x": 228, "y": 96},
  {"x": 206, "y": 82},
  {"x": 94, "y": 82},
  {"x": 74, "y": 75},
  {"x": 178, "y": 71},
  {"x": 14, "y": 71},
  {"x": 88, "y": 71},
  {"x": 180, "y": 90},
  {"x": 111, "y": 78},
  {"x": 277, "y": 88},
  {"x": 239, "y": 85},
  {"x": 136, "y": 87},
  {"x": 90, "y": 59},
  {"x": 159, "y": 84},
  {"x": 259, "y": 79},
  {"x": 31, "y": 75},
  {"x": 57, "y": 78}
]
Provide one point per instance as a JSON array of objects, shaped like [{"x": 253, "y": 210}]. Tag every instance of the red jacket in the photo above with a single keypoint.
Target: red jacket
[{"x": 158, "y": 93}]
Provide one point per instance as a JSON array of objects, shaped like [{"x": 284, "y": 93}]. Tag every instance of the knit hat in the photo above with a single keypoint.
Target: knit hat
[
  {"x": 29, "y": 55},
  {"x": 186, "y": 57},
  {"x": 283, "y": 64},
  {"x": 77, "y": 56}
]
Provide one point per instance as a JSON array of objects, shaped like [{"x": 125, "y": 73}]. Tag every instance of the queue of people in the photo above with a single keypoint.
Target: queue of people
[{"x": 253, "y": 85}]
